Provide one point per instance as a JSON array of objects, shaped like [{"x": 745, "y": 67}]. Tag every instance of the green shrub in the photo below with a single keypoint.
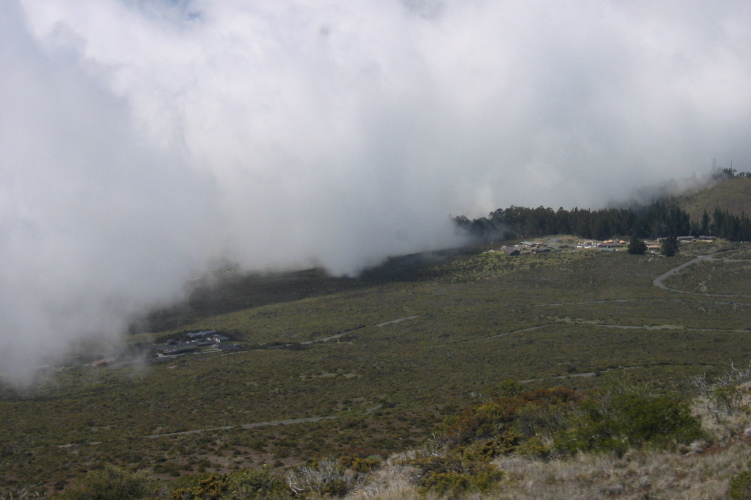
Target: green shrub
[
  {"x": 452, "y": 476},
  {"x": 488, "y": 449},
  {"x": 110, "y": 484},
  {"x": 507, "y": 422},
  {"x": 740, "y": 486},
  {"x": 534, "y": 447},
  {"x": 259, "y": 483},
  {"x": 447, "y": 482},
  {"x": 211, "y": 487},
  {"x": 359, "y": 464},
  {"x": 506, "y": 389},
  {"x": 616, "y": 423},
  {"x": 545, "y": 422}
]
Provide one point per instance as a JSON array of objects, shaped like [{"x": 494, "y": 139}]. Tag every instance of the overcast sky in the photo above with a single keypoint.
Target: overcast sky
[{"x": 142, "y": 141}]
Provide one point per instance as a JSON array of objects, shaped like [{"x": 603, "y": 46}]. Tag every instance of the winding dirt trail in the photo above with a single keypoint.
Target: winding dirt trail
[{"x": 658, "y": 281}]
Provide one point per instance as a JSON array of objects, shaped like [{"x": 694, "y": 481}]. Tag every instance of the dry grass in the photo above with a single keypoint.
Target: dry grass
[
  {"x": 644, "y": 474},
  {"x": 391, "y": 481},
  {"x": 637, "y": 475},
  {"x": 700, "y": 471}
]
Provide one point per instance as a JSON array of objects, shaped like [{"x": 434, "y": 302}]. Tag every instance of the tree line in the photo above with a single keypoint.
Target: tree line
[{"x": 656, "y": 220}]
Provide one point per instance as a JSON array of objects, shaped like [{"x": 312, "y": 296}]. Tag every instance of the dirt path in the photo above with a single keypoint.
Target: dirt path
[
  {"x": 244, "y": 426},
  {"x": 674, "y": 327},
  {"x": 658, "y": 282},
  {"x": 323, "y": 339},
  {"x": 397, "y": 320}
]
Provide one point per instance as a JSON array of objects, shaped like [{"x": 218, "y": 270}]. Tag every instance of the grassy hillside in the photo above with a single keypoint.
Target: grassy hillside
[
  {"x": 412, "y": 348},
  {"x": 730, "y": 194}
]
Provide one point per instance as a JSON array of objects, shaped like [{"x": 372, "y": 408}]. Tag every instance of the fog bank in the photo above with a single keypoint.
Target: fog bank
[{"x": 141, "y": 141}]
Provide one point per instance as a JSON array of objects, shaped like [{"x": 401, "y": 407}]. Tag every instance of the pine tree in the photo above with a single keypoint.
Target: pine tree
[
  {"x": 669, "y": 246},
  {"x": 636, "y": 246},
  {"x": 705, "y": 223}
]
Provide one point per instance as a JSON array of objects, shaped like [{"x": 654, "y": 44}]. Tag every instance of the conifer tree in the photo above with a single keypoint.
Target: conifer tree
[
  {"x": 669, "y": 246},
  {"x": 636, "y": 246}
]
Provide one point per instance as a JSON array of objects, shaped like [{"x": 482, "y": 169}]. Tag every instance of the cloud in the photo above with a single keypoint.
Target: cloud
[{"x": 141, "y": 140}]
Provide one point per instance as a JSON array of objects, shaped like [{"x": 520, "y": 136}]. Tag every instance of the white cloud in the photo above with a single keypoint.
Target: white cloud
[{"x": 140, "y": 140}]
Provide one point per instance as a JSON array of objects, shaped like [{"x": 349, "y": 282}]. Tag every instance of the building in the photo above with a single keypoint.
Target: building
[
  {"x": 178, "y": 349},
  {"x": 203, "y": 334},
  {"x": 610, "y": 245},
  {"x": 224, "y": 347}
]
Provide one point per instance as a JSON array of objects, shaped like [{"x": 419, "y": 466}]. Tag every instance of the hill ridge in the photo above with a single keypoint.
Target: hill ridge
[{"x": 731, "y": 194}]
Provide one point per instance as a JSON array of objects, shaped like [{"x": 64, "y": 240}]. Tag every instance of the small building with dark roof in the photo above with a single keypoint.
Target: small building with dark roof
[
  {"x": 226, "y": 346},
  {"x": 178, "y": 349},
  {"x": 200, "y": 335}
]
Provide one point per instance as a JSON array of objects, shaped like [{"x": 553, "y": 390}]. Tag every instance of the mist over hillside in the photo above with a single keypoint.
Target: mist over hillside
[
  {"x": 142, "y": 143},
  {"x": 730, "y": 194}
]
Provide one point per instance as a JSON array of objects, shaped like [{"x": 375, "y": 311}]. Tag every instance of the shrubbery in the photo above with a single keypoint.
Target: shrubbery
[
  {"x": 539, "y": 424},
  {"x": 726, "y": 394},
  {"x": 628, "y": 420},
  {"x": 359, "y": 463},
  {"x": 504, "y": 425},
  {"x": 265, "y": 483},
  {"x": 259, "y": 483},
  {"x": 545, "y": 422},
  {"x": 210, "y": 487},
  {"x": 452, "y": 476},
  {"x": 110, "y": 484},
  {"x": 740, "y": 486}
]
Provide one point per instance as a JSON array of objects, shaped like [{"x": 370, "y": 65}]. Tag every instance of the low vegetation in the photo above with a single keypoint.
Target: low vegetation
[
  {"x": 420, "y": 348},
  {"x": 516, "y": 443}
]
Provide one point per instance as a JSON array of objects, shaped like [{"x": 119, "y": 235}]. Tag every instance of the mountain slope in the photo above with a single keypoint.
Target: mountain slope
[{"x": 731, "y": 194}]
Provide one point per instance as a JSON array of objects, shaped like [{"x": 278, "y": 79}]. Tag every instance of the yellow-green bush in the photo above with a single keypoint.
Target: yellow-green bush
[
  {"x": 544, "y": 422},
  {"x": 505, "y": 423},
  {"x": 263, "y": 483},
  {"x": 452, "y": 476},
  {"x": 740, "y": 486},
  {"x": 358, "y": 463},
  {"x": 211, "y": 487},
  {"x": 110, "y": 483}
]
